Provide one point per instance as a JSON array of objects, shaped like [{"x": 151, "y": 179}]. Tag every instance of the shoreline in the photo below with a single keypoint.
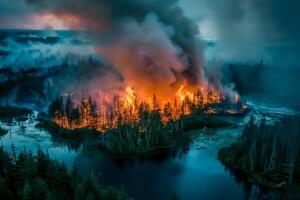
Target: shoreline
[
  {"x": 271, "y": 181},
  {"x": 87, "y": 134}
]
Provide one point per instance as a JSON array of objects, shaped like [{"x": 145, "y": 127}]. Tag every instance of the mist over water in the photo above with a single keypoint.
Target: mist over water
[{"x": 42, "y": 49}]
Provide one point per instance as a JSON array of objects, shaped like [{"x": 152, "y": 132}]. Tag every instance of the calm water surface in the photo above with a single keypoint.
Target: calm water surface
[{"x": 190, "y": 173}]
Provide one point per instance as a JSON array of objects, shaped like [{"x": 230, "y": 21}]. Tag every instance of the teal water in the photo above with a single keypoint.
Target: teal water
[{"x": 191, "y": 172}]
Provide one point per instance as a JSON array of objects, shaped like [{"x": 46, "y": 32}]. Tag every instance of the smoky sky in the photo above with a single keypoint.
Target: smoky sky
[
  {"x": 151, "y": 42},
  {"x": 250, "y": 29},
  {"x": 244, "y": 30}
]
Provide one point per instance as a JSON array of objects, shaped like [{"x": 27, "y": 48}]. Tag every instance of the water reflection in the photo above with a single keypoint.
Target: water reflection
[{"x": 189, "y": 172}]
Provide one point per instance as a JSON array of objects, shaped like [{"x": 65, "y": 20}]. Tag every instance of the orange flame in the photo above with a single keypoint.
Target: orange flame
[
  {"x": 130, "y": 97},
  {"x": 183, "y": 93},
  {"x": 127, "y": 108}
]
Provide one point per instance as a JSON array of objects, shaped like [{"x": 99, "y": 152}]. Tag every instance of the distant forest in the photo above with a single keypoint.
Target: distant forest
[{"x": 263, "y": 78}]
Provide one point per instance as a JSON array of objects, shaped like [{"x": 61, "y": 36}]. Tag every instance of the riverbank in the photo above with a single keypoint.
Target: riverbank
[
  {"x": 267, "y": 153},
  {"x": 191, "y": 164},
  {"x": 110, "y": 141},
  {"x": 79, "y": 135},
  {"x": 17, "y": 113},
  {"x": 102, "y": 140},
  {"x": 272, "y": 181}
]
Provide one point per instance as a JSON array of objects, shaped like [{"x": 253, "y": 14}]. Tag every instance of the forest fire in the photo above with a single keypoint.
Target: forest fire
[{"x": 129, "y": 109}]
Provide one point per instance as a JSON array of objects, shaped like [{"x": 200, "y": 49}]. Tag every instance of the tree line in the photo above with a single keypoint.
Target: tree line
[
  {"x": 126, "y": 129},
  {"x": 34, "y": 177},
  {"x": 269, "y": 149},
  {"x": 131, "y": 125}
]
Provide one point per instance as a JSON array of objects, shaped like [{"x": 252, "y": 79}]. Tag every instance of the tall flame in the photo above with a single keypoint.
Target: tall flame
[
  {"x": 130, "y": 97},
  {"x": 184, "y": 93},
  {"x": 128, "y": 108}
]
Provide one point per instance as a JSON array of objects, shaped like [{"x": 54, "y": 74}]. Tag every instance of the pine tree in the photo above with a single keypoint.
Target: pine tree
[
  {"x": 56, "y": 108},
  {"x": 90, "y": 196},
  {"x": 78, "y": 192},
  {"x": 69, "y": 108},
  {"x": 42, "y": 163},
  {"x": 167, "y": 113},
  {"x": 40, "y": 189},
  {"x": 4, "y": 190},
  {"x": 273, "y": 158},
  {"x": 252, "y": 156},
  {"x": 26, "y": 192},
  {"x": 50, "y": 196},
  {"x": 86, "y": 112}
]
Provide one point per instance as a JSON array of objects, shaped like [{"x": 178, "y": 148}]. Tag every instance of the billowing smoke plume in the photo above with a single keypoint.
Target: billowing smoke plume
[
  {"x": 151, "y": 42},
  {"x": 147, "y": 57}
]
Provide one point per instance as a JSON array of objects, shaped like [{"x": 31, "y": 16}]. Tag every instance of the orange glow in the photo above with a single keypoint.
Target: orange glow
[
  {"x": 128, "y": 108},
  {"x": 210, "y": 111},
  {"x": 49, "y": 20},
  {"x": 184, "y": 93},
  {"x": 60, "y": 21},
  {"x": 130, "y": 97},
  {"x": 231, "y": 111},
  {"x": 236, "y": 98}
]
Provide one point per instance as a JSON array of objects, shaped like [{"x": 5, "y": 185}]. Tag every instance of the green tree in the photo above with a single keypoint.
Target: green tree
[
  {"x": 56, "y": 107},
  {"x": 69, "y": 107},
  {"x": 40, "y": 189},
  {"x": 26, "y": 192}
]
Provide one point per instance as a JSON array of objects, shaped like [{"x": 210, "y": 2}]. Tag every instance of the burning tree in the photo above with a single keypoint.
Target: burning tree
[
  {"x": 129, "y": 110},
  {"x": 135, "y": 124}
]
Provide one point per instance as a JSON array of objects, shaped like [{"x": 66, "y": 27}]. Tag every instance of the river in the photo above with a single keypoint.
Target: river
[{"x": 192, "y": 172}]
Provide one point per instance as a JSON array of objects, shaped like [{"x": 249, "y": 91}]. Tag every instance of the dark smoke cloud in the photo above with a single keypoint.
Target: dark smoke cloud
[
  {"x": 150, "y": 41},
  {"x": 146, "y": 56}
]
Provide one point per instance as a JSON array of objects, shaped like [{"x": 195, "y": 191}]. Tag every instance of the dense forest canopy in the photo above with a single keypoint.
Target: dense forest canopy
[{"x": 268, "y": 152}]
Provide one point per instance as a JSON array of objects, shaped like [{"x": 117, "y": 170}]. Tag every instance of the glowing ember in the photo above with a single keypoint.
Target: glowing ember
[{"x": 210, "y": 111}]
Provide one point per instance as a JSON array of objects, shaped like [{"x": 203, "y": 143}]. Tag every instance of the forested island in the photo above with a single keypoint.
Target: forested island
[
  {"x": 151, "y": 130},
  {"x": 268, "y": 153}
]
